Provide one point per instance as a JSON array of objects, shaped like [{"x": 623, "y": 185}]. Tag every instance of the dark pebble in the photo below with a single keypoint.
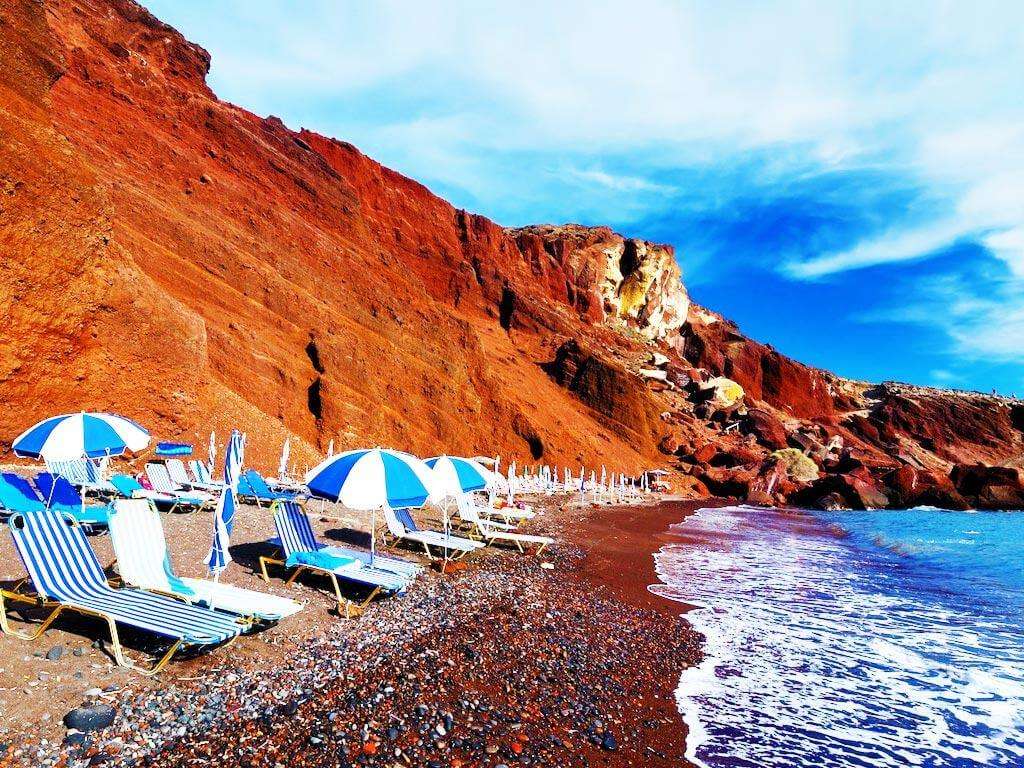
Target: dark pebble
[
  {"x": 90, "y": 718},
  {"x": 54, "y": 653},
  {"x": 608, "y": 742}
]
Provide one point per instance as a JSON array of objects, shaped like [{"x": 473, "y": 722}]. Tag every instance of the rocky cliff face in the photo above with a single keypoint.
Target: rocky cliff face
[{"x": 187, "y": 263}]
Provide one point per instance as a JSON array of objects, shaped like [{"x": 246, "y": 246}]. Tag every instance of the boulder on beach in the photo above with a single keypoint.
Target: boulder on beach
[{"x": 92, "y": 717}]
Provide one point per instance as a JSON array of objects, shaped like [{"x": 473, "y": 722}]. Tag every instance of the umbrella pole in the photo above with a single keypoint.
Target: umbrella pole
[{"x": 373, "y": 534}]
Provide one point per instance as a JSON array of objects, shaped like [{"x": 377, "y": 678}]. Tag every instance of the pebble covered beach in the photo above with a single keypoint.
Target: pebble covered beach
[{"x": 504, "y": 662}]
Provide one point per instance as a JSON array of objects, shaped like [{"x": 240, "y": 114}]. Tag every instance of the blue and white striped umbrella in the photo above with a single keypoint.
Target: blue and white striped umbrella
[
  {"x": 224, "y": 515},
  {"x": 371, "y": 479},
  {"x": 74, "y": 435},
  {"x": 455, "y": 476}
]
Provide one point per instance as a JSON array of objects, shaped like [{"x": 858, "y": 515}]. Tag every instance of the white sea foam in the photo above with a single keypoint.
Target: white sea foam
[{"x": 817, "y": 654}]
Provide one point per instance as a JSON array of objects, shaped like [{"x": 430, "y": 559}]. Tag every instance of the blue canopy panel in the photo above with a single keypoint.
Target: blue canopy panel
[
  {"x": 404, "y": 488},
  {"x": 327, "y": 484},
  {"x": 173, "y": 449}
]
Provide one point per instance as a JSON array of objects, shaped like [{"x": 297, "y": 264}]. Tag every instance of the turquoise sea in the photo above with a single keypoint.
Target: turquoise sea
[{"x": 879, "y": 638}]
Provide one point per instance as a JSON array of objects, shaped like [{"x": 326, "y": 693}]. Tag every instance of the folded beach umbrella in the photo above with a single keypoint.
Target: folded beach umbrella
[
  {"x": 212, "y": 449},
  {"x": 455, "y": 476},
  {"x": 224, "y": 514},
  {"x": 72, "y": 436},
  {"x": 286, "y": 449},
  {"x": 372, "y": 479}
]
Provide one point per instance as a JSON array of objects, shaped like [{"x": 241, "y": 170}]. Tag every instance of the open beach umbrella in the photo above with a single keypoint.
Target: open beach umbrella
[
  {"x": 224, "y": 514},
  {"x": 286, "y": 449},
  {"x": 454, "y": 476},
  {"x": 370, "y": 479},
  {"x": 77, "y": 435}
]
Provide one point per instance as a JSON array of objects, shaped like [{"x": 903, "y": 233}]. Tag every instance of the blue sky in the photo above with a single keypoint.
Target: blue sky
[{"x": 844, "y": 180}]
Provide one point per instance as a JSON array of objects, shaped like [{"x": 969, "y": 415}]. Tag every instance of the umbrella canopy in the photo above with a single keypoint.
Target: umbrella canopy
[
  {"x": 224, "y": 515},
  {"x": 455, "y": 476},
  {"x": 371, "y": 479},
  {"x": 72, "y": 436}
]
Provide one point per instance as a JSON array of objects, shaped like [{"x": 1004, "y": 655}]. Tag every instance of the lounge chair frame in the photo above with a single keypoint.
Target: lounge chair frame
[
  {"x": 14, "y": 595},
  {"x": 350, "y": 607}
]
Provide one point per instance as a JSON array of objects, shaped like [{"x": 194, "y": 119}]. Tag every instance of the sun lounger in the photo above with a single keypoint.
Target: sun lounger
[
  {"x": 161, "y": 481},
  {"x": 251, "y": 485},
  {"x": 83, "y": 474},
  {"x": 403, "y": 528},
  {"x": 302, "y": 553},
  {"x": 130, "y": 488},
  {"x": 491, "y": 533},
  {"x": 307, "y": 539},
  {"x": 13, "y": 499},
  {"x": 144, "y": 562},
  {"x": 67, "y": 576},
  {"x": 200, "y": 472},
  {"x": 176, "y": 471},
  {"x": 57, "y": 493}
]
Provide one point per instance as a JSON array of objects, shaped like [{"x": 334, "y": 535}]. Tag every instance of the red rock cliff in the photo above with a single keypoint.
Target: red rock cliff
[{"x": 182, "y": 261}]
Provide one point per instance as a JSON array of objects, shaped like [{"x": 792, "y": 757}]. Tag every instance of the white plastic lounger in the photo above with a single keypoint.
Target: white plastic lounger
[
  {"x": 161, "y": 481},
  {"x": 176, "y": 471},
  {"x": 83, "y": 473},
  {"x": 143, "y": 561},
  {"x": 201, "y": 472},
  {"x": 470, "y": 513},
  {"x": 401, "y": 525},
  {"x": 302, "y": 554},
  {"x": 67, "y": 576},
  {"x": 490, "y": 533}
]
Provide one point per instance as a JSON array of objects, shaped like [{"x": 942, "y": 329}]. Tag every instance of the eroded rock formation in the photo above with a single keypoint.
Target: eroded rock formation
[{"x": 187, "y": 263}]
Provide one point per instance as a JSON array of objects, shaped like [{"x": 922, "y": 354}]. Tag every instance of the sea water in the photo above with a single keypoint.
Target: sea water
[{"x": 879, "y": 638}]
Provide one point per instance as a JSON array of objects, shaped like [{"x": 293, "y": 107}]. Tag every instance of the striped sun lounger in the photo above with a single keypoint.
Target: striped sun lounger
[
  {"x": 81, "y": 473},
  {"x": 161, "y": 481},
  {"x": 67, "y": 576},
  {"x": 176, "y": 471},
  {"x": 144, "y": 562},
  {"x": 252, "y": 485},
  {"x": 302, "y": 553},
  {"x": 306, "y": 538},
  {"x": 403, "y": 528}
]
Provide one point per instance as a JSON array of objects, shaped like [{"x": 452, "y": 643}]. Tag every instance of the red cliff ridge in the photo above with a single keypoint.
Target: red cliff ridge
[{"x": 184, "y": 262}]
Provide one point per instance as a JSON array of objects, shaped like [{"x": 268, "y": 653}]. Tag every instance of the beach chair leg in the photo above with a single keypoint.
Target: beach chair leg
[
  {"x": 540, "y": 549},
  {"x": 295, "y": 575},
  {"x": 351, "y": 609},
  {"x": 124, "y": 661},
  {"x": 5, "y": 624},
  {"x": 264, "y": 561},
  {"x": 362, "y": 606}
]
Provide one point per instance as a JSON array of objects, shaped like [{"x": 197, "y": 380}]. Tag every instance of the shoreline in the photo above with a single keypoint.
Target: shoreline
[{"x": 504, "y": 662}]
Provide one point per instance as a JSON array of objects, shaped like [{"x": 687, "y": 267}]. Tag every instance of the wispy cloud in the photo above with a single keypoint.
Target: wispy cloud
[{"x": 826, "y": 143}]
